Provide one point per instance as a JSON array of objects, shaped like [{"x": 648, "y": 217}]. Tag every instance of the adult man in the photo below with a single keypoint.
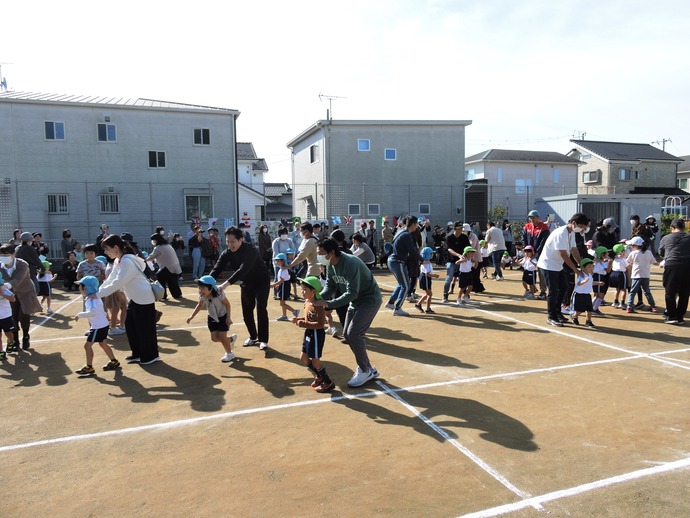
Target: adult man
[
  {"x": 371, "y": 235},
  {"x": 534, "y": 234},
  {"x": 360, "y": 292},
  {"x": 496, "y": 245},
  {"x": 477, "y": 285},
  {"x": 675, "y": 249},
  {"x": 557, "y": 250},
  {"x": 248, "y": 267},
  {"x": 307, "y": 251},
  {"x": 456, "y": 242},
  {"x": 247, "y": 235},
  {"x": 28, "y": 253}
]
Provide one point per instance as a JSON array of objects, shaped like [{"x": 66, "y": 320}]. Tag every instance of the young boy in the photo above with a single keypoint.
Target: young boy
[
  {"x": 426, "y": 273},
  {"x": 6, "y": 321},
  {"x": 219, "y": 320},
  {"x": 529, "y": 273},
  {"x": 98, "y": 322},
  {"x": 582, "y": 293},
  {"x": 506, "y": 261},
  {"x": 618, "y": 278},
  {"x": 484, "y": 250},
  {"x": 44, "y": 288},
  {"x": 466, "y": 263},
  {"x": 282, "y": 285},
  {"x": 313, "y": 323},
  {"x": 90, "y": 265},
  {"x": 600, "y": 272}
]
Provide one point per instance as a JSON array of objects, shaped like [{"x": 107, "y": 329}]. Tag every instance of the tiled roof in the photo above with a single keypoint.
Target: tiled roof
[
  {"x": 274, "y": 190},
  {"x": 625, "y": 151},
  {"x": 260, "y": 165},
  {"x": 101, "y": 100},
  {"x": 514, "y": 155},
  {"x": 245, "y": 151},
  {"x": 667, "y": 191},
  {"x": 684, "y": 167}
]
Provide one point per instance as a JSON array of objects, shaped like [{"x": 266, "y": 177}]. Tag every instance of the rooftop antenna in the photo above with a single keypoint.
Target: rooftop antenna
[
  {"x": 579, "y": 135},
  {"x": 662, "y": 142},
  {"x": 330, "y": 98},
  {"x": 3, "y": 80}
]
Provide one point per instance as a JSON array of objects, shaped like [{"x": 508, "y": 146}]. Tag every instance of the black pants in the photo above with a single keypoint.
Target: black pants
[
  {"x": 557, "y": 284},
  {"x": 256, "y": 296},
  {"x": 676, "y": 280},
  {"x": 170, "y": 281},
  {"x": 21, "y": 319},
  {"x": 140, "y": 325}
]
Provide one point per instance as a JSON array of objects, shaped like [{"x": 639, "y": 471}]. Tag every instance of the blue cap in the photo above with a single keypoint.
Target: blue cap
[
  {"x": 427, "y": 252},
  {"x": 90, "y": 284},
  {"x": 102, "y": 259},
  {"x": 280, "y": 256},
  {"x": 207, "y": 279},
  {"x": 289, "y": 251},
  {"x": 145, "y": 255}
]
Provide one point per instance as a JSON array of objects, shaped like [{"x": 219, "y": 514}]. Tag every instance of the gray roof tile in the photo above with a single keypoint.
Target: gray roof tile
[
  {"x": 515, "y": 155},
  {"x": 625, "y": 151}
]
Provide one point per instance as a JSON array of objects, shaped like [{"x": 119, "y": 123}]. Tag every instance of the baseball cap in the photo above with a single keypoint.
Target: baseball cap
[
  {"x": 636, "y": 241},
  {"x": 102, "y": 259},
  {"x": 468, "y": 249},
  {"x": 46, "y": 264},
  {"x": 26, "y": 237},
  {"x": 207, "y": 279},
  {"x": 427, "y": 252},
  {"x": 280, "y": 256},
  {"x": 533, "y": 214},
  {"x": 529, "y": 248},
  {"x": 314, "y": 282},
  {"x": 618, "y": 248},
  {"x": 601, "y": 250},
  {"x": 90, "y": 284},
  {"x": 585, "y": 261}
]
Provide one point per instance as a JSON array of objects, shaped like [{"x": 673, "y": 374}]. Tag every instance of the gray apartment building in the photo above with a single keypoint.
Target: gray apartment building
[
  {"x": 78, "y": 162},
  {"x": 368, "y": 169}
]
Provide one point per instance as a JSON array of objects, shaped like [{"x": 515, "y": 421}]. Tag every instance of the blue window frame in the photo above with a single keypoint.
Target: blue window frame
[{"x": 363, "y": 144}]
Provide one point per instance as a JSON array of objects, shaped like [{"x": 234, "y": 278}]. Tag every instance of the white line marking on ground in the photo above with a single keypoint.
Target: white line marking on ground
[
  {"x": 465, "y": 451},
  {"x": 578, "y": 490}
]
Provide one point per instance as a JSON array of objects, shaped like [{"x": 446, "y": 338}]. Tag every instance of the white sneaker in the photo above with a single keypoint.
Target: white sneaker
[
  {"x": 466, "y": 299},
  {"x": 263, "y": 346},
  {"x": 360, "y": 377},
  {"x": 149, "y": 362},
  {"x": 114, "y": 331},
  {"x": 49, "y": 311},
  {"x": 331, "y": 331},
  {"x": 390, "y": 306},
  {"x": 248, "y": 342},
  {"x": 400, "y": 312},
  {"x": 282, "y": 318},
  {"x": 227, "y": 357}
]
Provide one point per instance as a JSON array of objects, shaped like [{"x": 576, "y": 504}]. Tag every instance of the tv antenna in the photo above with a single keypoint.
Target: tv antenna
[
  {"x": 662, "y": 142},
  {"x": 330, "y": 98},
  {"x": 3, "y": 80},
  {"x": 579, "y": 135}
]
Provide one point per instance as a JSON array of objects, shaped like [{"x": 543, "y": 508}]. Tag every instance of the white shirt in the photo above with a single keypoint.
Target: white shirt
[
  {"x": 641, "y": 264},
  {"x": 93, "y": 310},
  {"x": 550, "y": 257},
  {"x": 529, "y": 265},
  {"x": 586, "y": 287},
  {"x": 619, "y": 265},
  {"x": 426, "y": 268},
  {"x": 128, "y": 275},
  {"x": 5, "y": 306},
  {"x": 494, "y": 239}
]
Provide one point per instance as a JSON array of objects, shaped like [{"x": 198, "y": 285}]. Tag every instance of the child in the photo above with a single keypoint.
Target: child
[
  {"x": 484, "y": 249},
  {"x": 426, "y": 273},
  {"x": 115, "y": 304},
  {"x": 90, "y": 265},
  {"x": 219, "y": 322},
  {"x": 529, "y": 274},
  {"x": 506, "y": 261},
  {"x": 44, "y": 289},
  {"x": 79, "y": 252},
  {"x": 600, "y": 272},
  {"x": 282, "y": 285},
  {"x": 98, "y": 322},
  {"x": 6, "y": 321},
  {"x": 519, "y": 254},
  {"x": 582, "y": 293},
  {"x": 290, "y": 254},
  {"x": 466, "y": 262},
  {"x": 314, "y": 322},
  {"x": 640, "y": 261},
  {"x": 618, "y": 279}
]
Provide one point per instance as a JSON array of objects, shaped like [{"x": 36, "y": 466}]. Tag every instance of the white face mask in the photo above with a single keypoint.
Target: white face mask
[
  {"x": 265, "y": 231},
  {"x": 321, "y": 259},
  {"x": 153, "y": 243},
  {"x": 6, "y": 260},
  {"x": 632, "y": 222},
  {"x": 162, "y": 232},
  {"x": 283, "y": 237}
]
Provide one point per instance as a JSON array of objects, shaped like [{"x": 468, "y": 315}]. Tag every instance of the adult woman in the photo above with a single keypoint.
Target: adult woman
[
  {"x": 247, "y": 267},
  {"x": 15, "y": 237},
  {"x": 169, "y": 266},
  {"x": 508, "y": 237},
  {"x": 128, "y": 275},
  {"x": 27, "y": 252},
  {"x": 67, "y": 243},
  {"x": 196, "y": 244},
  {"x": 265, "y": 247},
  {"x": 16, "y": 271},
  {"x": 363, "y": 251},
  {"x": 41, "y": 248},
  {"x": 69, "y": 272}
]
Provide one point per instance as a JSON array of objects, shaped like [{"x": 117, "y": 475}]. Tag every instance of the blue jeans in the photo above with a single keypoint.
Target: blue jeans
[
  {"x": 402, "y": 276},
  {"x": 557, "y": 284},
  {"x": 496, "y": 260},
  {"x": 452, "y": 270},
  {"x": 198, "y": 263},
  {"x": 643, "y": 285}
]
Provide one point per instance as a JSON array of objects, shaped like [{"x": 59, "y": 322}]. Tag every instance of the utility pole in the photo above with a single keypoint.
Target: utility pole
[{"x": 662, "y": 142}]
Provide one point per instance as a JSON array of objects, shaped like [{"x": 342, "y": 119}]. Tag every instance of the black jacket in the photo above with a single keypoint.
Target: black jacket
[{"x": 246, "y": 266}]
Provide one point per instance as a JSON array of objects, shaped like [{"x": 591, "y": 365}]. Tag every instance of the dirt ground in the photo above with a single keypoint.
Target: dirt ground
[{"x": 480, "y": 411}]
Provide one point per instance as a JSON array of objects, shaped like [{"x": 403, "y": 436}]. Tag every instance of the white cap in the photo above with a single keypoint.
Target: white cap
[{"x": 636, "y": 241}]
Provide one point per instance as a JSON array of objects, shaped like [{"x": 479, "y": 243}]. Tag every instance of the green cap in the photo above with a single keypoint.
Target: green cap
[
  {"x": 585, "y": 261},
  {"x": 468, "y": 249},
  {"x": 482, "y": 243},
  {"x": 618, "y": 248},
  {"x": 314, "y": 282},
  {"x": 46, "y": 265},
  {"x": 601, "y": 250}
]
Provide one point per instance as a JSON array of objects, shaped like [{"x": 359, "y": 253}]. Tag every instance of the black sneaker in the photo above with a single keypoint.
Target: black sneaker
[
  {"x": 25, "y": 343},
  {"x": 86, "y": 370},
  {"x": 639, "y": 305},
  {"x": 3, "y": 355},
  {"x": 14, "y": 346},
  {"x": 575, "y": 320},
  {"x": 589, "y": 323},
  {"x": 553, "y": 322},
  {"x": 597, "y": 312},
  {"x": 132, "y": 359},
  {"x": 562, "y": 318},
  {"x": 111, "y": 365},
  {"x": 430, "y": 311}
]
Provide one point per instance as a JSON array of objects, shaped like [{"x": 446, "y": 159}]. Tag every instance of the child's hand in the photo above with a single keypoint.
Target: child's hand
[
  {"x": 76, "y": 318},
  {"x": 189, "y": 320},
  {"x": 229, "y": 322}
]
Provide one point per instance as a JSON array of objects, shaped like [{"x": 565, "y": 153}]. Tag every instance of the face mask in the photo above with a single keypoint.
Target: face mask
[
  {"x": 321, "y": 259},
  {"x": 6, "y": 261},
  {"x": 283, "y": 237},
  {"x": 153, "y": 243},
  {"x": 265, "y": 231},
  {"x": 632, "y": 222},
  {"x": 162, "y": 232},
  {"x": 579, "y": 230}
]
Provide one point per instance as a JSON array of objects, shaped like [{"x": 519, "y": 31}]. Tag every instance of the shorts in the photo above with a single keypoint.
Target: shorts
[
  {"x": 598, "y": 277},
  {"x": 529, "y": 278},
  {"x": 582, "y": 302},
  {"x": 283, "y": 292},
  {"x": 618, "y": 281},
  {"x": 98, "y": 335},
  {"x": 44, "y": 289},
  {"x": 313, "y": 342},
  {"x": 7, "y": 324},
  {"x": 116, "y": 300},
  {"x": 425, "y": 282},
  {"x": 220, "y": 326},
  {"x": 465, "y": 280}
]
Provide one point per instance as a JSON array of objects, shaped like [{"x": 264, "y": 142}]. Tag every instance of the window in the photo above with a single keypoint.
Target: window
[
  {"x": 624, "y": 174},
  {"x": 469, "y": 174},
  {"x": 590, "y": 176},
  {"x": 107, "y": 133},
  {"x": 156, "y": 159},
  {"x": 499, "y": 175},
  {"x": 353, "y": 209},
  {"x": 109, "y": 203},
  {"x": 390, "y": 154},
  {"x": 197, "y": 206},
  {"x": 555, "y": 175},
  {"x": 537, "y": 176},
  {"x": 314, "y": 153},
  {"x": 374, "y": 209},
  {"x": 425, "y": 209},
  {"x": 58, "y": 203},
  {"x": 55, "y": 130},
  {"x": 363, "y": 144},
  {"x": 202, "y": 137},
  {"x": 683, "y": 183},
  {"x": 523, "y": 186}
]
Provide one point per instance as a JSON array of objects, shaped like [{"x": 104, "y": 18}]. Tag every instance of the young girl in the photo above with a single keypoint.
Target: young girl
[
  {"x": 484, "y": 250},
  {"x": 640, "y": 261},
  {"x": 618, "y": 278},
  {"x": 44, "y": 288},
  {"x": 600, "y": 273},
  {"x": 98, "y": 326},
  {"x": 466, "y": 262},
  {"x": 219, "y": 321},
  {"x": 426, "y": 273},
  {"x": 6, "y": 320},
  {"x": 582, "y": 293},
  {"x": 282, "y": 285},
  {"x": 529, "y": 274},
  {"x": 506, "y": 261}
]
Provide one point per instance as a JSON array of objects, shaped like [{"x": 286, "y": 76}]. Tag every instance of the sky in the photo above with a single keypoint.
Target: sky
[{"x": 529, "y": 74}]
